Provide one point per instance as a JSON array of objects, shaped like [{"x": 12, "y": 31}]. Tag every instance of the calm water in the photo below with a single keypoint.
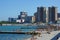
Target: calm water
[
  {"x": 18, "y": 28},
  {"x": 16, "y": 36}
]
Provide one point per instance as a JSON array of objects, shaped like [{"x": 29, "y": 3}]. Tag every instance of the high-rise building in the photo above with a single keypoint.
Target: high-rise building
[
  {"x": 29, "y": 19},
  {"x": 23, "y": 15},
  {"x": 46, "y": 16},
  {"x": 33, "y": 19},
  {"x": 52, "y": 14},
  {"x": 58, "y": 16},
  {"x": 36, "y": 16},
  {"x": 40, "y": 15}
]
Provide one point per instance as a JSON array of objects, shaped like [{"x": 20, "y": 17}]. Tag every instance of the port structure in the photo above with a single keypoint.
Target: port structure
[{"x": 30, "y": 33}]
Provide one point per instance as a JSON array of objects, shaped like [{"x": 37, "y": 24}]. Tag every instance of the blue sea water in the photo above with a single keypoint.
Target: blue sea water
[
  {"x": 17, "y": 28},
  {"x": 16, "y": 36}
]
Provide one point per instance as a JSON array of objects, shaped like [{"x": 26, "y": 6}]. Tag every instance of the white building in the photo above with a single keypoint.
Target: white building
[{"x": 20, "y": 20}]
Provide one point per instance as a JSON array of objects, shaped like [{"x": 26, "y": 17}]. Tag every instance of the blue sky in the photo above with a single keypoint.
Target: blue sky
[{"x": 11, "y": 8}]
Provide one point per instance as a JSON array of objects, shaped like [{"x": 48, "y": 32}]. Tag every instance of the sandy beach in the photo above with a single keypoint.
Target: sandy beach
[{"x": 44, "y": 36}]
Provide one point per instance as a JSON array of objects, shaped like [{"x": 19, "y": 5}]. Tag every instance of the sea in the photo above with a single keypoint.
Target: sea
[{"x": 16, "y": 36}]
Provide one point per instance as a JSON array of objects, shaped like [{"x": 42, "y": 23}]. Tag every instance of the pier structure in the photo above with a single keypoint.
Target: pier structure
[{"x": 30, "y": 33}]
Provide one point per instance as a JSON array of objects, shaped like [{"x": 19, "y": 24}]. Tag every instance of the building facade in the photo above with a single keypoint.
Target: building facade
[
  {"x": 29, "y": 19},
  {"x": 58, "y": 16},
  {"x": 33, "y": 19},
  {"x": 40, "y": 15},
  {"x": 12, "y": 19},
  {"x": 36, "y": 16},
  {"x": 22, "y": 16},
  {"x": 52, "y": 14}
]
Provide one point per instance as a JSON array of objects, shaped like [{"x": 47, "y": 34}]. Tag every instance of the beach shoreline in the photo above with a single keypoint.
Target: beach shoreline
[{"x": 44, "y": 36}]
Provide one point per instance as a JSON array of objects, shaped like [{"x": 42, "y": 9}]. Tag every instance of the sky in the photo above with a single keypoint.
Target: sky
[{"x": 12, "y": 8}]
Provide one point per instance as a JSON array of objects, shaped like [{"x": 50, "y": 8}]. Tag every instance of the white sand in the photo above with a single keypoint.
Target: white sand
[{"x": 45, "y": 36}]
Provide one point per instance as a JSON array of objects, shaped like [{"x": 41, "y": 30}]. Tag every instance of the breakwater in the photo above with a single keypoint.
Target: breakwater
[{"x": 30, "y": 33}]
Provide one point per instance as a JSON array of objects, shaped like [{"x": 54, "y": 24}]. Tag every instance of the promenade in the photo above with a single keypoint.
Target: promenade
[{"x": 45, "y": 36}]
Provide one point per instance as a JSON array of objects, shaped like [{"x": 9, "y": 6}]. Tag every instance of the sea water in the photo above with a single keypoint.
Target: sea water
[{"x": 16, "y": 36}]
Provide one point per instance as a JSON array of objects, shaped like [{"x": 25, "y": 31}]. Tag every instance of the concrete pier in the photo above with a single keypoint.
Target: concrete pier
[{"x": 31, "y": 33}]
